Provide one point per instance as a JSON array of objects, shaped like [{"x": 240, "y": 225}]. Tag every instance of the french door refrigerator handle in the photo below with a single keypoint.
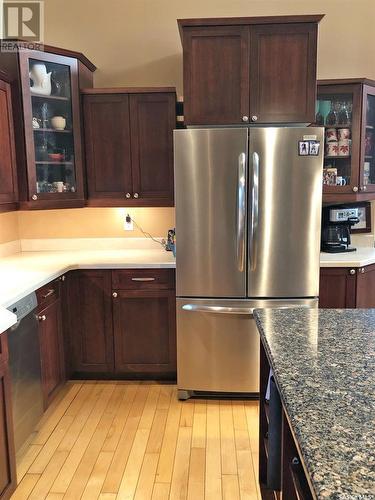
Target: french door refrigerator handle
[
  {"x": 254, "y": 210},
  {"x": 218, "y": 309},
  {"x": 241, "y": 211}
]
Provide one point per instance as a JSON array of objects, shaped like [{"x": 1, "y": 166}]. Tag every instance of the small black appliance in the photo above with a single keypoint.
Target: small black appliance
[{"x": 336, "y": 224}]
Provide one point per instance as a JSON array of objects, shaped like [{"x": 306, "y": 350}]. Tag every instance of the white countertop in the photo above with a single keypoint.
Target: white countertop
[
  {"x": 363, "y": 256},
  {"x": 25, "y": 272}
]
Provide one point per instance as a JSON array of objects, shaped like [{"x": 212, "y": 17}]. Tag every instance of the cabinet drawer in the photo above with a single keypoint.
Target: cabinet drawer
[
  {"x": 143, "y": 279},
  {"x": 48, "y": 293}
]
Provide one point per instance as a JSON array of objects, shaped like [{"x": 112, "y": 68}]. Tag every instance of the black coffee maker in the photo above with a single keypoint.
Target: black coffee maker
[{"x": 336, "y": 224}]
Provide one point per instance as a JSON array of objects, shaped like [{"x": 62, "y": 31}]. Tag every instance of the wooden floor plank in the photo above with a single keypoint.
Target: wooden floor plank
[
  {"x": 197, "y": 471},
  {"x": 213, "y": 486},
  {"x": 228, "y": 448},
  {"x": 161, "y": 491},
  {"x": 96, "y": 480},
  {"x": 147, "y": 477},
  {"x": 121, "y": 455},
  {"x": 180, "y": 476},
  {"x": 231, "y": 489},
  {"x": 118, "y": 424},
  {"x": 199, "y": 424},
  {"x": 167, "y": 452}
]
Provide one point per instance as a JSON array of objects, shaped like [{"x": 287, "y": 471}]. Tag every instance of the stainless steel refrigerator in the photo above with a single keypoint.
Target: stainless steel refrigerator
[{"x": 248, "y": 213}]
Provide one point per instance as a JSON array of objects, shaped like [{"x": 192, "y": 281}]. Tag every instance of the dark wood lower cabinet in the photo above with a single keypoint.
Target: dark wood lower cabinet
[
  {"x": 343, "y": 288},
  {"x": 90, "y": 321},
  {"x": 121, "y": 323},
  {"x": 145, "y": 333},
  {"x": 8, "y": 477},
  {"x": 52, "y": 350},
  {"x": 287, "y": 480}
]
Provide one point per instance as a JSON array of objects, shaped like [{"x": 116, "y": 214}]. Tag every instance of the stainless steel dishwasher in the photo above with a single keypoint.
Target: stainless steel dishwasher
[{"x": 25, "y": 369}]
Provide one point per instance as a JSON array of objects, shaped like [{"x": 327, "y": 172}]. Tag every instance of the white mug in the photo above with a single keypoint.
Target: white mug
[
  {"x": 59, "y": 186},
  {"x": 332, "y": 148},
  {"x": 343, "y": 133},
  {"x": 340, "y": 181},
  {"x": 58, "y": 122}
]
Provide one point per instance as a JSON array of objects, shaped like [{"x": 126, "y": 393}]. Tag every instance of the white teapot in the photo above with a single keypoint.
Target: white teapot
[{"x": 41, "y": 79}]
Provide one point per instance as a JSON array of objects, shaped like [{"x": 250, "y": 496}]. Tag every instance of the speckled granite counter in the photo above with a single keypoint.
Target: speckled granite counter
[{"x": 324, "y": 366}]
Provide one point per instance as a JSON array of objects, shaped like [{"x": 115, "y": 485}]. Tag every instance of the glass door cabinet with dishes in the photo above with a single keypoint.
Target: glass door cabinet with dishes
[
  {"x": 50, "y": 162},
  {"x": 346, "y": 108}
]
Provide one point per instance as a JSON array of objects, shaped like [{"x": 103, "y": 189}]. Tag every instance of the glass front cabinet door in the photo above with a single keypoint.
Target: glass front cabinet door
[
  {"x": 50, "y": 100},
  {"x": 346, "y": 109}
]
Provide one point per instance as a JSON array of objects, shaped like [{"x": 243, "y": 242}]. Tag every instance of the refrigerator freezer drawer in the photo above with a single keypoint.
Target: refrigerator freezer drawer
[{"x": 218, "y": 343}]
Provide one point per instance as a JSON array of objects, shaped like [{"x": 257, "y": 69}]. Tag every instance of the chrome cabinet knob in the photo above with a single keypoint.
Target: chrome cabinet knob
[
  {"x": 114, "y": 295},
  {"x": 42, "y": 318},
  {"x": 355, "y": 189},
  {"x": 34, "y": 197},
  {"x": 254, "y": 118},
  {"x": 363, "y": 188},
  {"x": 362, "y": 270},
  {"x": 136, "y": 195},
  {"x": 62, "y": 278},
  {"x": 245, "y": 118},
  {"x": 352, "y": 271},
  {"x": 128, "y": 195}
]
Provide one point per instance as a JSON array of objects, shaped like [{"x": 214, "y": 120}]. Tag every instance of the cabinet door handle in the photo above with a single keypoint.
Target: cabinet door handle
[
  {"x": 143, "y": 279},
  {"x": 42, "y": 318},
  {"x": 114, "y": 295},
  {"x": 48, "y": 294},
  {"x": 254, "y": 118},
  {"x": 128, "y": 195},
  {"x": 245, "y": 118},
  {"x": 34, "y": 197},
  {"x": 355, "y": 189},
  {"x": 136, "y": 195},
  {"x": 352, "y": 271}
]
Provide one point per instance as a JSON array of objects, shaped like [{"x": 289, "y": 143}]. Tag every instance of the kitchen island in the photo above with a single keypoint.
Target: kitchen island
[{"x": 323, "y": 363}]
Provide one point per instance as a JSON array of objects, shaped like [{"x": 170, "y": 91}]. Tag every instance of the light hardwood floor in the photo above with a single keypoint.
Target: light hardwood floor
[{"x": 129, "y": 440}]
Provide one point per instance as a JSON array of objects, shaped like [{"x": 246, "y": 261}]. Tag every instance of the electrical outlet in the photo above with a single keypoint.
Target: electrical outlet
[{"x": 128, "y": 223}]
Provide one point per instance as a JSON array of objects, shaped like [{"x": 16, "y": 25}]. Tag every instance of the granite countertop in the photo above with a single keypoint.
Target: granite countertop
[
  {"x": 324, "y": 365},
  {"x": 25, "y": 272},
  {"x": 363, "y": 256}
]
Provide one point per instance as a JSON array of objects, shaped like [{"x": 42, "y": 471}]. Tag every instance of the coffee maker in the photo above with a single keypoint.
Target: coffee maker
[{"x": 336, "y": 224}]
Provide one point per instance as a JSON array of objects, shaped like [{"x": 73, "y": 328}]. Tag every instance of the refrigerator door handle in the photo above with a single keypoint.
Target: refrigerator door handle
[
  {"x": 218, "y": 309},
  {"x": 241, "y": 211},
  {"x": 254, "y": 210}
]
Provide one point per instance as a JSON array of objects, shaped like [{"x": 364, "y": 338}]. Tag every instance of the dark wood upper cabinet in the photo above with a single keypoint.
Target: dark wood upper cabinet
[
  {"x": 107, "y": 146},
  {"x": 283, "y": 72},
  {"x": 348, "y": 106},
  {"x": 90, "y": 321},
  {"x": 152, "y": 120},
  {"x": 45, "y": 86},
  {"x": 129, "y": 146},
  {"x": 8, "y": 478},
  {"x": 249, "y": 70},
  {"x": 216, "y": 74},
  {"x": 8, "y": 174}
]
